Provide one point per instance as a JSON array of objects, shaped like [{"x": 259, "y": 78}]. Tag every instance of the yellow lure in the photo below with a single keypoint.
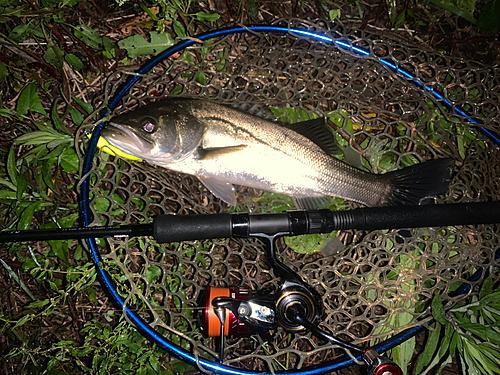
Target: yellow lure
[{"x": 112, "y": 150}]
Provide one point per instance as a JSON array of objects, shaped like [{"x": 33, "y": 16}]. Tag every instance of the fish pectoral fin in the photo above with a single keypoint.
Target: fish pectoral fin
[
  {"x": 222, "y": 190},
  {"x": 217, "y": 152},
  {"x": 312, "y": 203}
]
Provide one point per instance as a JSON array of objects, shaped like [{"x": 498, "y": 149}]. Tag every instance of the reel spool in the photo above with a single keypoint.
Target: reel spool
[
  {"x": 209, "y": 321},
  {"x": 248, "y": 312}
]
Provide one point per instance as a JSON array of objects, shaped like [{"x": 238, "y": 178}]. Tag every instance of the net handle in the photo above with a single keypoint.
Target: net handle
[{"x": 86, "y": 215}]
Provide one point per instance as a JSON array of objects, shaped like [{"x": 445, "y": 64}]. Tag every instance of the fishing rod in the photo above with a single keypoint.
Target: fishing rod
[
  {"x": 295, "y": 305},
  {"x": 175, "y": 228}
]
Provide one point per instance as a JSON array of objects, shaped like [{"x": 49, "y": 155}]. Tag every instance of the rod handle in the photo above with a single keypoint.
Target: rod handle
[{"x": 176, "y": 228}]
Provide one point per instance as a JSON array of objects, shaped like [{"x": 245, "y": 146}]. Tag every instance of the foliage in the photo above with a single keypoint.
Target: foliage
[
  {"x": 470, "y": 331},
  {"x": 118, "y": 349},
  {"x": 462, "y": 8},
  {"x": 38, "y": 187},
  {"x": 403, "y": 353},
  {"x": 400, "y": 13},
  {"x": 136, "y": 45},
  {"x": 175, "y": 12}
]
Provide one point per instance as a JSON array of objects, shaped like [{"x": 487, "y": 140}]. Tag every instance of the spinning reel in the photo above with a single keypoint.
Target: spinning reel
[
  {"x": 260, "y": 311},
  {"x": 294, "y": 306}
]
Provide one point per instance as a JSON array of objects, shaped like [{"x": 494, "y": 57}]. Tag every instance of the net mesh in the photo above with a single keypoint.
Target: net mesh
[{"x": 373, "y": 284}]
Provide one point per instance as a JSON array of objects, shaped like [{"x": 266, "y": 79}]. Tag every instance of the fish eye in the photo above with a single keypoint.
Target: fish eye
[{"x": 149, "y": 125}]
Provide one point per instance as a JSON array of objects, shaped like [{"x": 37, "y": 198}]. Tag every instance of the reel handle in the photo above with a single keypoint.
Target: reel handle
[{"x": 380, "y": 365}]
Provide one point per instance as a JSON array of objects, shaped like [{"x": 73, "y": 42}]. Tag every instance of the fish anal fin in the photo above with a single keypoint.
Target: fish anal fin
[
  {"x": 222, "y": 190},
  {"x": 317, "y": 131},
  {"x": 217, "y": 152},
  {"x": 312, "y": 203}
]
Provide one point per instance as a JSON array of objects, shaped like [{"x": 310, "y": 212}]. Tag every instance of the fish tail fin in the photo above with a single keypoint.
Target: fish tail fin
[{"x": 411, "y": 184}]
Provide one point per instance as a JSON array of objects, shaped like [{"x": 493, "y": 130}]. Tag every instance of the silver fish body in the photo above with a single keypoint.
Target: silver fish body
[{"x": 223, "y": 146}]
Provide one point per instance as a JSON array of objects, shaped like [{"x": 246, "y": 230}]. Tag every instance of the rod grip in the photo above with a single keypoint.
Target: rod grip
[{"x": 176, "y": 228}]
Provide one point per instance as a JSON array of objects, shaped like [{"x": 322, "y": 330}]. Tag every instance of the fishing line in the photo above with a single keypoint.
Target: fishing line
[{"x": 105, "y": 278}]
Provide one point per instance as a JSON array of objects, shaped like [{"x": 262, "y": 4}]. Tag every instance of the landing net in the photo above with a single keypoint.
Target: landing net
[{"x": 374, "y": 284}]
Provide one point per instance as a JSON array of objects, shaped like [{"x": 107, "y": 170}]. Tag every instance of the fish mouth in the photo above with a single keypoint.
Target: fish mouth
[{"x": 126, "y": 140}]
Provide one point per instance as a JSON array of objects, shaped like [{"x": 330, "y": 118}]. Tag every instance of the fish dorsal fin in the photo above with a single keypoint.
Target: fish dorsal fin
[
  {"x": 222, "y": 190},
  {"x": 217, "y": 152},
  {"x": 312, "y": 203},
  {"x": 318, "y": 132}
]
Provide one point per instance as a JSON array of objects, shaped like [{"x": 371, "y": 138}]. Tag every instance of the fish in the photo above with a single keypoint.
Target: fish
[{"x": 224, "y": 146}]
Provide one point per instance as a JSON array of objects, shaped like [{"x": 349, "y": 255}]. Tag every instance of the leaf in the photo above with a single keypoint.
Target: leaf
[
  {"x": 90, "y": 36},
  {"x": 334, "y": 14},
  {"x": 449, "y": 330},
  {"x": 489, "y": 16},
  {"x": 391, "y": 9},
  {"x": 54, "y": 56},
  {"x": 201, "y": 78},
  {"x": 486, "y": 288},
  {"x": 27, "y": 215},
  {"x": 8, "y": 113},
  {"x": 7, "y": 194},
  {"x": 56, "y": 119},
  {"x": 154, "y": 362},
  {"x": 11, "y": 166},
  {"x": 475, "y": 358},
  {"x": 86, "y": 106},
  {"x": 137, "y": 45},
  {"x": 402, "y": 353},
  {"x": 7, "y": 184},
  {"x": 475, "y": 328},
  {"x": 179, "y": 28},
  {"x": 17, "y": 279},
  {"x": 4, "y": 71},
  {"x": 211, "y": 17},
  {"x": 60, "y": 249},
  {"x": 493, "y": 337},
  {"x": 69, "y": 161},
  {"x": 41, "y": 137},
  {"x": 152, "y": 273},
  {"x": 180, "y": 366},
  {"x": 39, "y": 303},
  {"x": 68, "y": 221},
  {"x": 23, "y": 320},
  {"x": 47, "y": 177},
  {"x": 74, "y": 61},
  {"x": 19, "y": 32},
  {"x": 76, "y": 116},
  {"x": 21, "y": 186},
  {"x": 30, "y": 101},
  {"x": 400, "y": 20},
  {"x": 430, "y": 349},
  {"x": 455, "y": 338},
  {"x": 438, "y": 310}
]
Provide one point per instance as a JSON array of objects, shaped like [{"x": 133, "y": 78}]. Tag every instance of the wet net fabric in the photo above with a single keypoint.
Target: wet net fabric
[{"x": 373, "y": 284}]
